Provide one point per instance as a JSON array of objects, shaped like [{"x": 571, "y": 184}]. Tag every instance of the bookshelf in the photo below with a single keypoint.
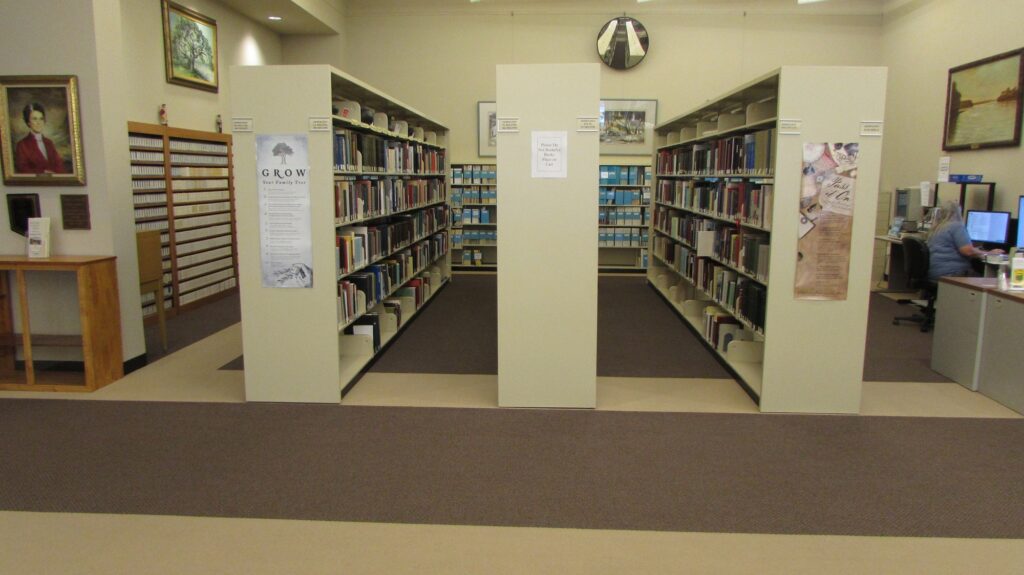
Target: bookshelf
[
  {"x": 183, "y": 186},
  {"x": 474, "y": 202},
  {"x": 377, "y": 227},
  {"x": 624, "y": 217},
  {"x": 725, "y": 224}
]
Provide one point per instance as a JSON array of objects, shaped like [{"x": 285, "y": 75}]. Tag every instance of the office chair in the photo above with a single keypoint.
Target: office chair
[{"x": 915, "y": 264}]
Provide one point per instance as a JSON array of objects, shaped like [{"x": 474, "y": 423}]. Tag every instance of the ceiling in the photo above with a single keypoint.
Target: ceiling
[{"x": 294, "y": 18}]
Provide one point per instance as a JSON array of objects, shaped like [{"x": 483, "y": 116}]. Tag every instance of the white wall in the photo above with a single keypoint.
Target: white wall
[
  {"x": 922, "y": 40},
  {"x": 82, "y": 39},
  {"x": 443, "y": 62},
  {"x": 242, "y": 41}
]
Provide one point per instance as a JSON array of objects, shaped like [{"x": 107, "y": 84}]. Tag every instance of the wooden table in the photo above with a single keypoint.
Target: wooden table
[{"x": 100, "y": 314}]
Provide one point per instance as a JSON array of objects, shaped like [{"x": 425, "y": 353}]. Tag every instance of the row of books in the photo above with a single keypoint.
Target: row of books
[
  {"x": 214, "y": 196},
  {"x": 208, "y": 290},
  {"x": 721, "y": 328},
  {"x": 204, "y": 268},
  {"x": 205, "y": 281},
  {"x": 358, "y": 152},
  {"x": 188, "y": 223},
  {"x": 154, "y": 212},
  {"x": 474, "y": 174},
  {"x": 744, "y": 251},
  {"x": 473, "y": 237},
  {"x": 395, "y": 309},
  {"x": 139, "y": 141},
  {"x": 201, "y": 208},
  {"x": 684, "y": 226},
  {"x": 363, "y": 290},
  {"x": 210, "y": 184},
  {"x": 744, "y": 154},
  {"x": 198, "y": 172},
  {"x": 749, "y": 203},
  {"x": 741, "y": 296},
  {"x": 623, "y": 216},
  {"x": 204, "y": 256},
  {"x": 184, "y": 248},
  {"x": 199, "y": 159},
  {"x": 139, "y": 156},
  {"x": 472, "y": 258},
  {"x": 474, "y": 196},
  {"x": 622, "y": 237},
  {"x": 194, "y": 146},
  {"x": 678, "y": 257},
  {"x": 144, "y": 199},
  {"x": 473, "y": 216},
  {"x": 624, "y": 196},
  {"x": 625, "y": 175},
  {"x": 358, "y": 246},
  {"x": 367, "y": 198},
  {"x": 147, "y": 170},
  {"x": 148, "y": 185}
]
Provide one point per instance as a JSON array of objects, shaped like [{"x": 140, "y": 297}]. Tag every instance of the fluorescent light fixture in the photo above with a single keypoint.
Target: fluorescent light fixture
[
  {"x": 808, "y": 1},
  {"x": 274, "y": 18}
]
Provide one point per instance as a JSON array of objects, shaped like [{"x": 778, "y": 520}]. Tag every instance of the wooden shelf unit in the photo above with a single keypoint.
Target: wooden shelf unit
[
  {"x": 474, "y": 198},
  {"x": 624, "y": 217},
  {"x": 794, "y": 355},
  {"x": 99, "y": 316},
  {"x": 295, "y": 345},
  {"x": 192, "y": 192}
]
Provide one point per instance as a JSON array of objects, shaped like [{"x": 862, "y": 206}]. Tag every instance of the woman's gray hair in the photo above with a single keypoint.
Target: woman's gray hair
[{"x": 947, "y": 213}]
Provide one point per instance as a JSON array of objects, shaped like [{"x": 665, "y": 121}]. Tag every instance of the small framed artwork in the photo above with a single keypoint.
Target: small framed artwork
[
  {"x": 983, "y": 105},
  {"x": 487, "y": 129},
  {"x": 21, "y": 207},
  {"x": 40, "y": 132},
  {"x": 627, "y": 127},
  {"x": 190, "y": 47}
]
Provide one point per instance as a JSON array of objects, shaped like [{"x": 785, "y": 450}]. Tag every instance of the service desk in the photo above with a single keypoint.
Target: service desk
[
  {"x": 99, "y": 313},
  {"x": 977, "y": 339}
]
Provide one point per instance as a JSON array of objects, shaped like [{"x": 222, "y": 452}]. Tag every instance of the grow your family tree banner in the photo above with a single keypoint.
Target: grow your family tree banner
[{"x": 286, "y": 245}]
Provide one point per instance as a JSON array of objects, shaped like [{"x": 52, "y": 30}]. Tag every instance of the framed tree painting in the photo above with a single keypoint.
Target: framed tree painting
[
  {"x": 40, "y": 132},
  {"x": 487, "y": 129},
  {"x": 627, "y": 127},
  {"x": 983, "y": 105},
  {"x": 190, "y": 47}
]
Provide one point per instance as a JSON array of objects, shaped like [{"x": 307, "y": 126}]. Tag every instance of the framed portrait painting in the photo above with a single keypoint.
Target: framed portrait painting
[
  {"x": 40, "y": 131},
  {"x": 627, "y": 127},
  {"x": 983, "y": 105},
  {"x": 487, "y": 129},
  {"x": 190, "y": 47}
]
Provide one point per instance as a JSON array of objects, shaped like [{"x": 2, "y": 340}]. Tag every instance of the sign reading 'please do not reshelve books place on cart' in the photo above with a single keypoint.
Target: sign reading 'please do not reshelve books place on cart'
[{"x": 286, "y": 245}]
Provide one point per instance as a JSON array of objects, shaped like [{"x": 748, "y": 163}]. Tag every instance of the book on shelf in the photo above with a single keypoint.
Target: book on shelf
[{"x": 367, "y": 324}]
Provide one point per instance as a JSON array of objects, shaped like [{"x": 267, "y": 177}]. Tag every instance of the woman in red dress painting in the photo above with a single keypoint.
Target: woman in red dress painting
[{"x": 35, "y": 153}]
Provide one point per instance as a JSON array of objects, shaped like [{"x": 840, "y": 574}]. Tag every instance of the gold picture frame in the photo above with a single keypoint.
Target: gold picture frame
[
  {"x": 190, "y": 47},
  {"x": 40, "y": 131}
]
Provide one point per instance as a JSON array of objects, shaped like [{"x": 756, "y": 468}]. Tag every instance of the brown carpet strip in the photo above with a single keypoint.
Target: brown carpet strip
[
  {"x": 544, "y": 468},
  {"x": 896, "y": 352},
  {"x": 637, "y": 336}
]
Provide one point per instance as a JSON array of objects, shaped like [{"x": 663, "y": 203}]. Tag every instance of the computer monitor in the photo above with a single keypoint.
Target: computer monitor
[
  {"x": 1020, "y": 227},
  {"x": 907, "y": 204},
  {"x": 988, "y": 227}
]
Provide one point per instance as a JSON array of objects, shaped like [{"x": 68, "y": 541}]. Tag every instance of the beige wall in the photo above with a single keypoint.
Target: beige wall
[
  {"x": 921, "y": 41},
  {"x": 242, "y": 41},
  {"x": 444, "y": 62}
]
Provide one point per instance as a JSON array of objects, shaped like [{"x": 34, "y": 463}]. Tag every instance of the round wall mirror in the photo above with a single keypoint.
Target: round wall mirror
[{"x": 622, "y": 43}]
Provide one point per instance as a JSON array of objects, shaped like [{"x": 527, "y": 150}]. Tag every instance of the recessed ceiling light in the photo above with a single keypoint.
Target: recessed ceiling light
[{"x": 274, "y": 18}]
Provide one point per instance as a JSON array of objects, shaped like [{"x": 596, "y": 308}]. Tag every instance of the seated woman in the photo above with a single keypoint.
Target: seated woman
[{"x": 949, "y": 245}]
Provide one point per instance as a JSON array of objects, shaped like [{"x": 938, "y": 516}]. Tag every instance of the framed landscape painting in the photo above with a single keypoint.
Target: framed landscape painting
[
  {"x": 627, "y": 127},
  {"x": 190, "y": 47},
  {"x": 40, "y": 132},
  {"x": 983, "y": 105}
]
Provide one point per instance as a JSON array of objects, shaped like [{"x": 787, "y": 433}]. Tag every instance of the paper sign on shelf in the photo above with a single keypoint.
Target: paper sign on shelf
[
  {"x": 242, "y": 124},
  {"x": 871, "y": 128},
  {"x": 508, "y": 125},
  {"x": 943, "y": 169},
  {"x": 320, "y": 124},
  {"x": 282, "y": 186},
  {"x": 549, "y": 154},
  {"x": 587, "y": 124},
  {"x": 791, "y": 126}
]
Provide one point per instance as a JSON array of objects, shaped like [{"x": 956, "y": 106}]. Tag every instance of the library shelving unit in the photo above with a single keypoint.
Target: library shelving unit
[
  {"x": 474, "y": 201},
  {"x": 726, "y": 204},
  {"x": 183, "y": 186},
  {"x": 624, "y": 217},
  {"x": 377, "y": 228}
]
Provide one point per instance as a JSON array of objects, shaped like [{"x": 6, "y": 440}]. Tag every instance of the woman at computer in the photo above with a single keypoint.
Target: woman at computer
[{"x": 949, "y": 246}]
